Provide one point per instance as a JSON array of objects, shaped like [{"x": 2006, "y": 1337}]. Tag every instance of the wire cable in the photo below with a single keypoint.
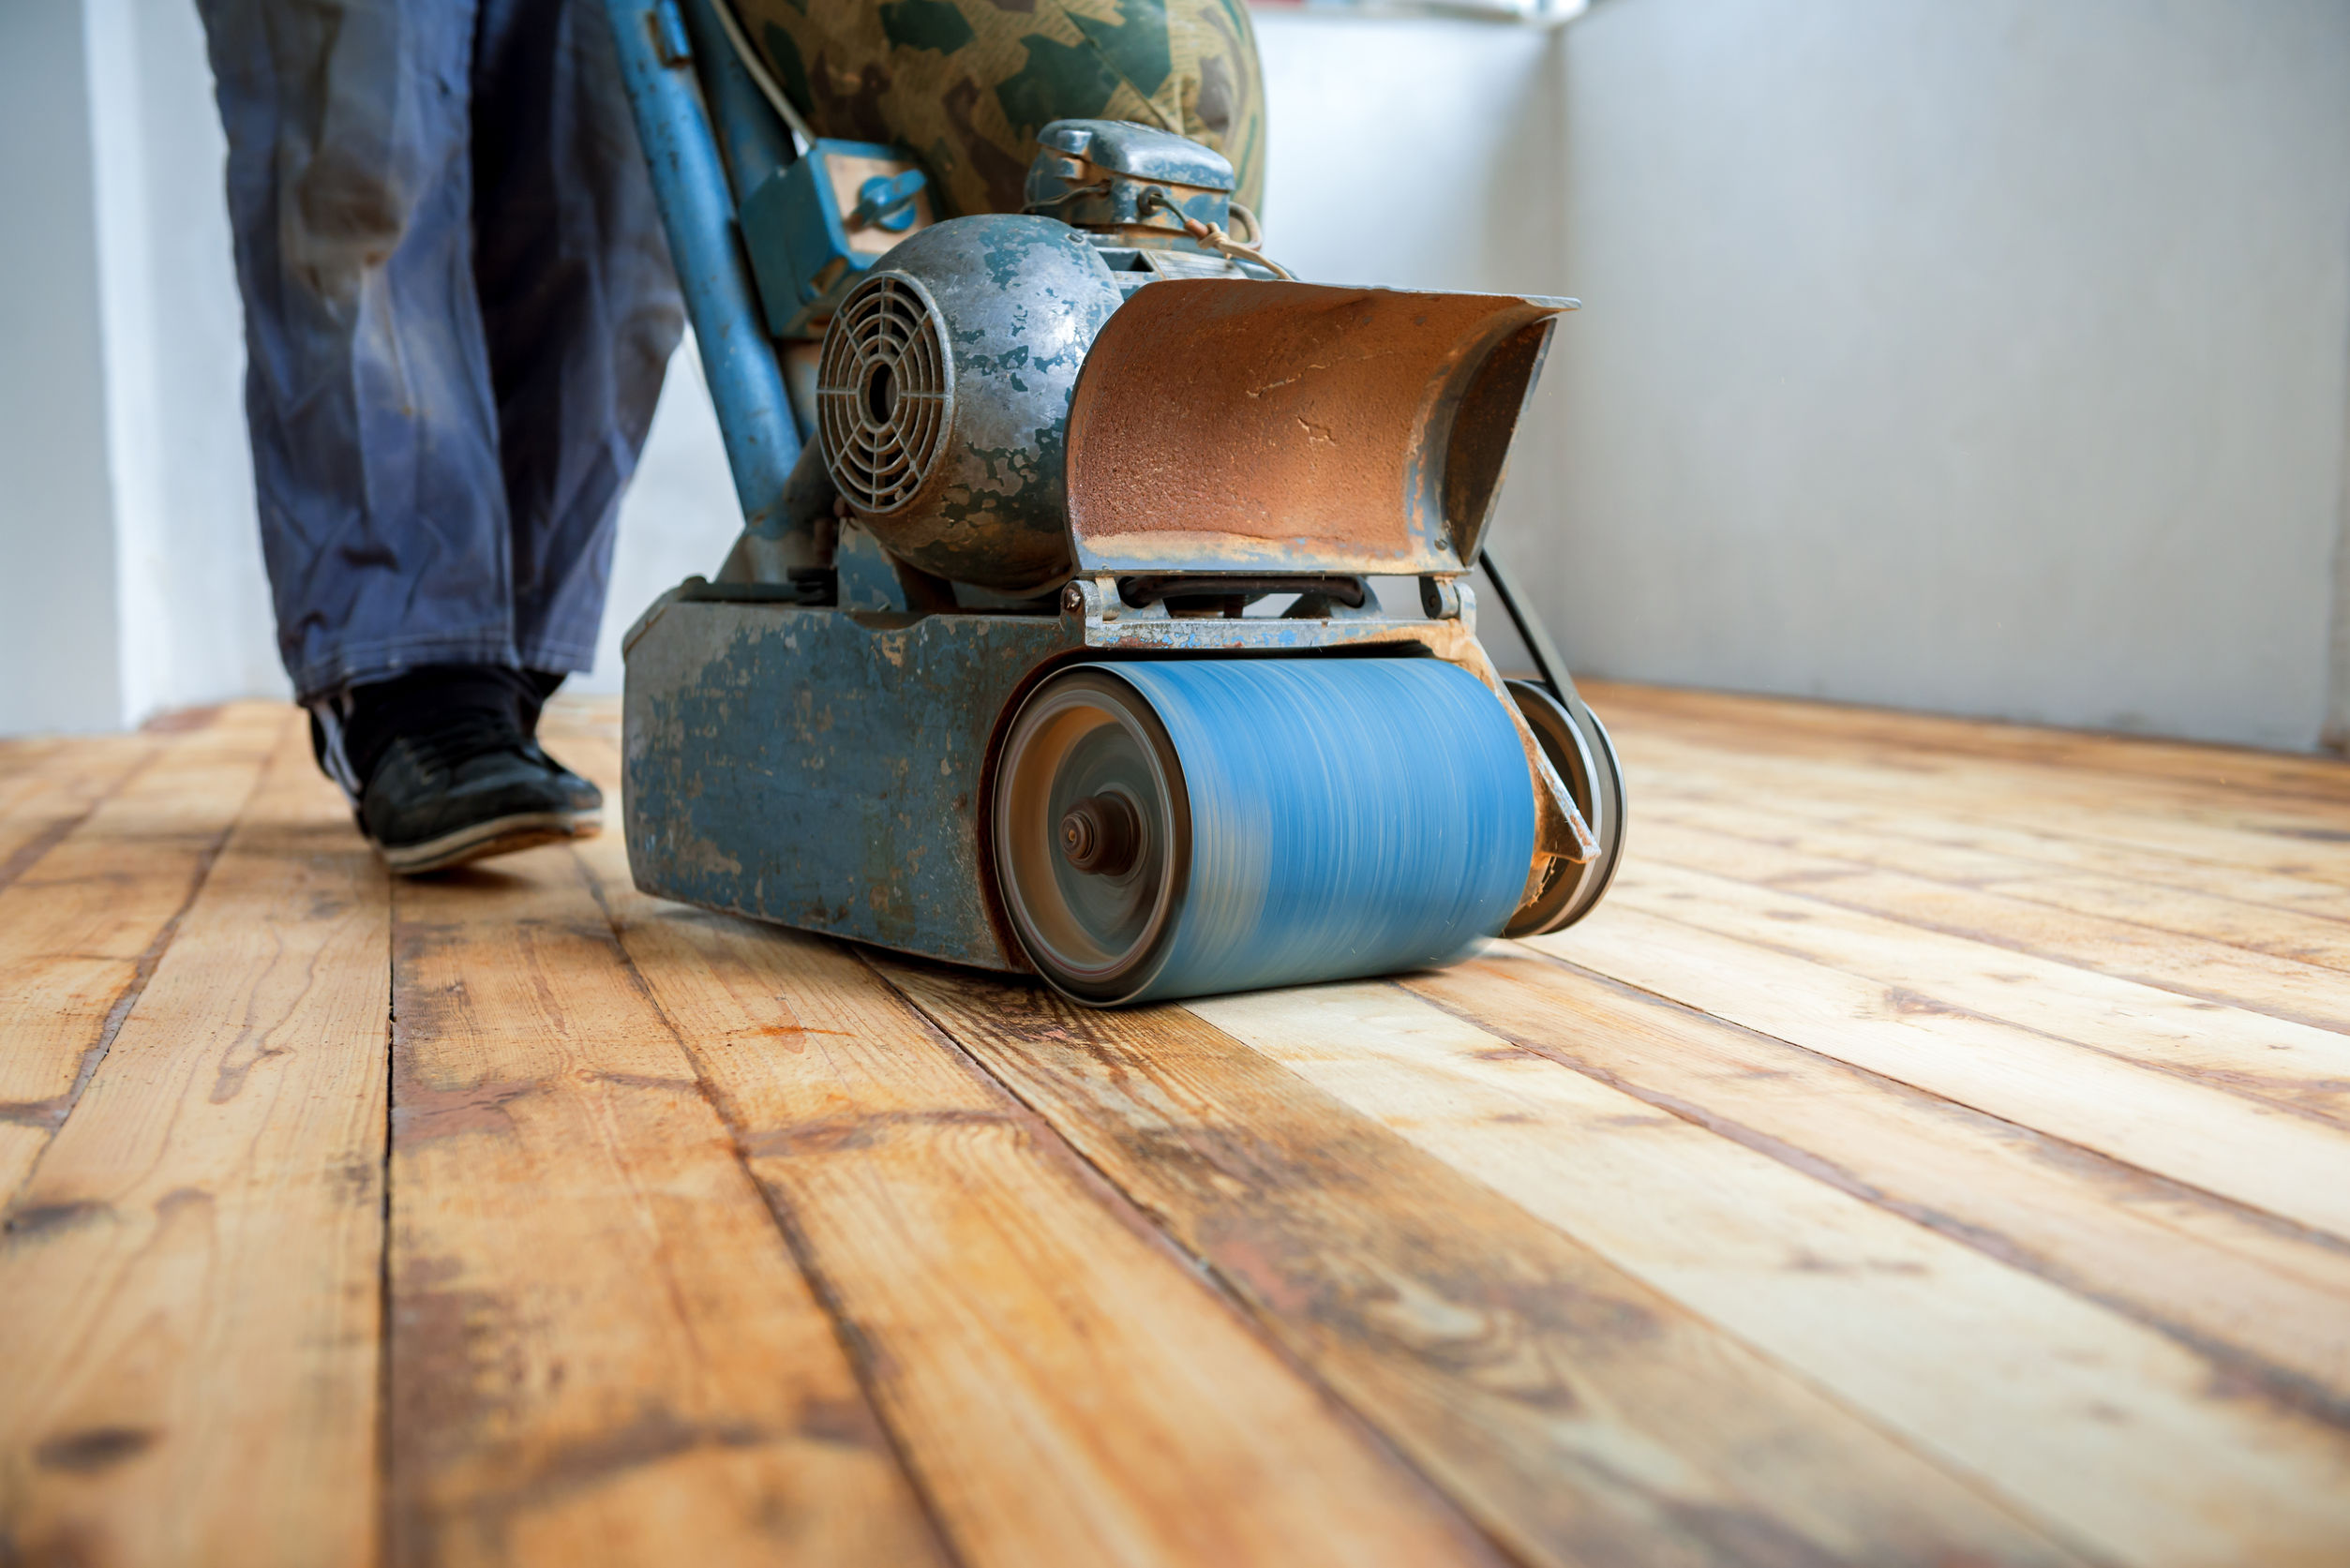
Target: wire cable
[{"x": 760, "y": 77}]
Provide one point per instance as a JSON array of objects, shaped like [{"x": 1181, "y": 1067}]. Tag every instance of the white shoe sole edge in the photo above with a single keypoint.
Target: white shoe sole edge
[{"x": 502, "y": 835}]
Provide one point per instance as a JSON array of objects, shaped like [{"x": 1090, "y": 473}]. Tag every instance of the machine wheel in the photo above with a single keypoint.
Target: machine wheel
[
  {"x": 1577, "y": 746},
  {"x": 1092, "y": 833},
  {"x": 1179, "y": 827}
]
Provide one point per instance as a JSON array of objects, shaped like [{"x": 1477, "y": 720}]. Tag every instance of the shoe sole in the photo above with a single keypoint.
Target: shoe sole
[{"x": 502, "y": 835}]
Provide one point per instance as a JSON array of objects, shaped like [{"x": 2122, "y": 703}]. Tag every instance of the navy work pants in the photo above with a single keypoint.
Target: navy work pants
[{"x": 458, "y": 306}]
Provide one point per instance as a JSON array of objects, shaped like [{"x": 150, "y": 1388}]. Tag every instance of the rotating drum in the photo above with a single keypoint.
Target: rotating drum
[{"x": 1178, "y": 827}]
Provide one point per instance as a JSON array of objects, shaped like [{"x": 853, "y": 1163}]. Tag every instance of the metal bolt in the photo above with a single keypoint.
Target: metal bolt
[
  {"x": 1101, "y": 834},
  {"x": 1072, "y": 598}
]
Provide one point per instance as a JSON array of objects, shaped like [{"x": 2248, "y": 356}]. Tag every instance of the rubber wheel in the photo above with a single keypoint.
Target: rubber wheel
[
  {"x": 1089, "y": 742},
  {"x": 1577, "y": 745}
]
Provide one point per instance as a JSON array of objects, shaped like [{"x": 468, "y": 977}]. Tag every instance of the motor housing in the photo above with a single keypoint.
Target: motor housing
[{"x": 943, "y": 391}]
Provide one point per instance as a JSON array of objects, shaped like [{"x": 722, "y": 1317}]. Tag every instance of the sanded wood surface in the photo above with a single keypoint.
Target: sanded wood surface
[{"x": 1936, "y": 1150}]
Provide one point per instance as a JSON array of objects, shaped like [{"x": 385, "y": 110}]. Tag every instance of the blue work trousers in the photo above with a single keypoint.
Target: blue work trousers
[{"x": 458, "y": 306}]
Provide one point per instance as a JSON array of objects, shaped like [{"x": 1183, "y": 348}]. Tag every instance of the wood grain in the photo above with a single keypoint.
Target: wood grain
[
  {"x": 84, "y": 926},
  {"x": 2243, "y": 1148},
  {"x": 1827, "y": 728},
  {"x": 47, "y": 786},
  {"x": 1905, "y": 831},
  {"x": 601, "y": 1349},
  {"x": 1933, "y": 1153},
  {"x": 1856, "y": 1300},
  {"x": 2266, "y": 1299},
  {"x": 1580, "y": 1415},
  {"x": 2285, "y": 1062},
  {"x": 1066, "y": 1386},
  {"x": 2190, "y": 965},
  {"x": 2236, "y": 918},
  {"x": 189, "y": 1284},
  {"x": 2301, "y": 844}
]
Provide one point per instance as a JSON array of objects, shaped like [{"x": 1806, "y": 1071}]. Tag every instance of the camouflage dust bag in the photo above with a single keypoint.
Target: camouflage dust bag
[{"x": 964, "y": 84}]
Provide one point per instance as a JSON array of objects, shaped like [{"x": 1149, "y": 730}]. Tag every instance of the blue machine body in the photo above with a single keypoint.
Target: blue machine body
[
  {"x": 855, "y": 742},
  {"x": 1015, "y": 479},
  {"x": 829, "y": 768},
  {"x": 815, "y": 226}
]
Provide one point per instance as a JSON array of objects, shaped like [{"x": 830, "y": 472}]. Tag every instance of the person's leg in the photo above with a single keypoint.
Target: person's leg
[
  {"x": 368, "y": 390},
  {"x": 373, "y": 423},
  {"x": 580, "y": 307}
]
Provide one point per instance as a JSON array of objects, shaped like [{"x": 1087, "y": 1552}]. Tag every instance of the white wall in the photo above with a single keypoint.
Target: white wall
[
  {"x": 59, "y": 665},
  {"x": 1420, "y": 153},
  {"x": 1987, "y": 358},
  {"x": 678, "y": 517},
  {"x": 134, "y": 579},
  {"x": 195, "y": 603}
]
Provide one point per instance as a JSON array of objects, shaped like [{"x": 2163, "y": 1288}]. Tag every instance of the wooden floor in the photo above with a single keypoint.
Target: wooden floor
[{"x": 1936, "y": 1151}]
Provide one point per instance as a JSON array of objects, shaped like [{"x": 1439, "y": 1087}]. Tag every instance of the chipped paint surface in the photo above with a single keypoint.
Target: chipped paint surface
[
  {"x": 826, "y": 769},
  {"x": 1019, "y": 301},
  {"x": 773, "y": 766}
]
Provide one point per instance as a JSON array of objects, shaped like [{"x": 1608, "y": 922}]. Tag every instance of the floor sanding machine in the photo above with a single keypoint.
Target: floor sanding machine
[{"x": 1058, "y": 645}]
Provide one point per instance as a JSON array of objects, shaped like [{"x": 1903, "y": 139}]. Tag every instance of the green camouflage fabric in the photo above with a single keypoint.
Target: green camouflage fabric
[{"x": 966, "y": 85}]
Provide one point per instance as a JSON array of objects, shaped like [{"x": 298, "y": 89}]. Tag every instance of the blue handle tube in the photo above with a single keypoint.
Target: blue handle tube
[
  {"x": 689, "y": 181},
  {"x": 754, "y": 142}
]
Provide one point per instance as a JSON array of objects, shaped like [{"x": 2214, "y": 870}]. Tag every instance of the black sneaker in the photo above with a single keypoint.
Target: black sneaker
[
  {"x": 446, "y": 770},
  {"x": 534, "y": 687},
  {"x": 583, "y": 794}
]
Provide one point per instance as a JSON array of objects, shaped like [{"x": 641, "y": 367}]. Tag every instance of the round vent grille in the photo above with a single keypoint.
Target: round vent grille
[{"x": 881, "y": 397}]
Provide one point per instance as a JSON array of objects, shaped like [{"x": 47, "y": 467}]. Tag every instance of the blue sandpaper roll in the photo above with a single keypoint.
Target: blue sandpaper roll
[{"x": 1348, "y": 818}]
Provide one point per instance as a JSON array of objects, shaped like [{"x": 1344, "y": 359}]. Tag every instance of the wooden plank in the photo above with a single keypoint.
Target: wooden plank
[
  {"x": 601, "y": 1349},
  {"x": 1577, "y": 1413},
  {"x": 2279, "y": 988},
  {"x": 2268, "y": 1299},
  {"x": 19, "y": 754},
  {"x": 2304, "y": 844},
  {"x": 46, "y": 788},
  {"x": 83, "y": 927},
  {"x": 2252, "y": 1151},
  {"x": 1062, "y": 1383},
  {"x": 1923, "y": 832},
  {"x": 2304, "y": 937},
  {"x": 190, "y": 1282},
  {"x": 1856, "y": 1300},
  {"x": 1817, "y": 726},
  {"x": 2302, "y": 1066}
]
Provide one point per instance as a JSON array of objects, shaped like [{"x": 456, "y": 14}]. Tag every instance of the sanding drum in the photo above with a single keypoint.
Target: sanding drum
[{"x": 1171, "y": 829}]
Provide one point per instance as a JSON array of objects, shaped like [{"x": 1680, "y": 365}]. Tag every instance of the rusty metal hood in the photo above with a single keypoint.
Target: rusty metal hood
[{"x": 1224, "y": 425}]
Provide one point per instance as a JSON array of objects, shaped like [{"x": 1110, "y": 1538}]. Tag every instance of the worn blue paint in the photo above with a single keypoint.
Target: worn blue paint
[
  {"x": 751, "y": 140},
  {"x": 887, "y": 201},
  {"x": 746, "y": 383},
  {"x": 797, "y": 236},
  {"x": 1348, "y": 817},
  {"x": 864, "y": 576},
  {"x": 825, "y": 770},
  {"x": 821, "y": 768}
]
